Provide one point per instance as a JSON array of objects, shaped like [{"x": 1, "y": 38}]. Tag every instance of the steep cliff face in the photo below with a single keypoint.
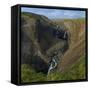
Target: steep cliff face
[{"x": 40, "y": 38}]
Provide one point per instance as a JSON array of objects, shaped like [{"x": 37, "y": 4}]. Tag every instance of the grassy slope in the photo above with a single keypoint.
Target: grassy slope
[
  {"x": 77, "y": 45},
  {"x": 29, "y": 75},
  {"x": 77, "y": 71}
]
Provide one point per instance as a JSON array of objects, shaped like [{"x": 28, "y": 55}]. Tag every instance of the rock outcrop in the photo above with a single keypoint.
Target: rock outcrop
[{"x": 40, "y": 39}]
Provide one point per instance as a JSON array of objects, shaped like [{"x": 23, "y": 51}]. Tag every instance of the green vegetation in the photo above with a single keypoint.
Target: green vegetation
[
  {"x": 29, "y": 75},
  {"x": 31, "y": 15},
  {"x": 77, "y": 71}
]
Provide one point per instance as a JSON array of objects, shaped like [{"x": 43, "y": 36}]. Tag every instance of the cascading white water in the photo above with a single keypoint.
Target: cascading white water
[{"x": 54, "y": 61}]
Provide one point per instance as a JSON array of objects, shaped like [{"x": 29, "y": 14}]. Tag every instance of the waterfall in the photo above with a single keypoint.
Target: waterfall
[{"x": 54, "y": 61}]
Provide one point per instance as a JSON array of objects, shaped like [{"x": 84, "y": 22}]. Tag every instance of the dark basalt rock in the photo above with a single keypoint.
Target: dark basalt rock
[{"x": 39, "y": 39}]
